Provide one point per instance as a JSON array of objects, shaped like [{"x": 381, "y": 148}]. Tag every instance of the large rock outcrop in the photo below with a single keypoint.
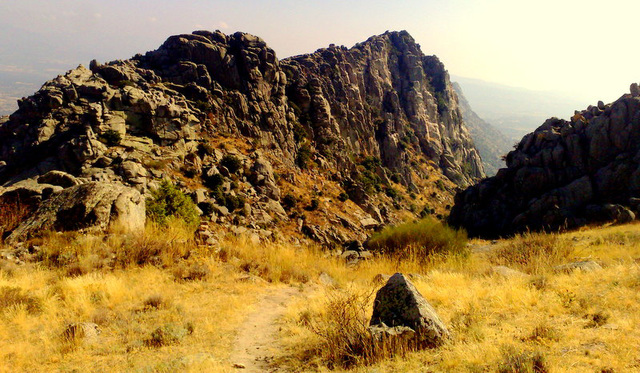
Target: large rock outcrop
[
  {"x": 564, "y": 174},
  {"x": 94, "y": 206},
  {"x": 178, "y": 112}
]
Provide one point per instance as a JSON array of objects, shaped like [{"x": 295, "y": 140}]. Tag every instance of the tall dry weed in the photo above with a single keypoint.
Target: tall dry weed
[{"x": 533, "y": 253}]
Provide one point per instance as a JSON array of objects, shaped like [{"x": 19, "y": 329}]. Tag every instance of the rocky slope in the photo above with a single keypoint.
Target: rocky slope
[
  {"x": 378, "y": 117},
  {"x": 564, "y": 174},
  {"x": 492, "y": 144}
]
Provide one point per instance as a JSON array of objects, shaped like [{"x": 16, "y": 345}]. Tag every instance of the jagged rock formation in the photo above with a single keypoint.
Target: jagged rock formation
[
  {"x": 179, "y": 111},
  {"x": 564, "y": 174},
  {"x": 492, "y": 144}
]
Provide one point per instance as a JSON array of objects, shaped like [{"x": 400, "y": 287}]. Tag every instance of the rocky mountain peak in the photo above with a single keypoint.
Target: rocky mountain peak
[{"x": 378, "y": 117}]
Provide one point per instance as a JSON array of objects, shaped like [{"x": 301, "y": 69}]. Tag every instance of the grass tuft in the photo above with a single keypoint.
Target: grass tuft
[{"x": 534, "y": 253}]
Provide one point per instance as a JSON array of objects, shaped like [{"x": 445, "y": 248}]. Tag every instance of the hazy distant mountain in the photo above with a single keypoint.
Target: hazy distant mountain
[
  {"x": 490, "y": 142},
  {"x": 517, "y": 111}
]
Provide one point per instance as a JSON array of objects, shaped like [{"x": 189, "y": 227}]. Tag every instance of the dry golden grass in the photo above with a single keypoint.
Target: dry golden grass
[
  {"x": 164, "y": 304},
  {"x": 556, "y": 322}
]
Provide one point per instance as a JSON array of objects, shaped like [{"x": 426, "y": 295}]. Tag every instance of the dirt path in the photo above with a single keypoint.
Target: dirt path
[{"x": 256, "y": 343}]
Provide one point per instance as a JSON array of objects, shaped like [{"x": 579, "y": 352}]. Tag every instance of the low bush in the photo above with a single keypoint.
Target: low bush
[
  {"x": 532, "y": 252},
  {"x": 168, "y": 201},
  {"x": 12, "y": 213},
  {"x": 110, "y": 138},
  {"x": 12, "y": 297},
  {"x": 231, "y": 163},
  {"x": 343, "y": 329},
  {"x": 522, "y": 362},
  {"x": 419, "y": 239}
]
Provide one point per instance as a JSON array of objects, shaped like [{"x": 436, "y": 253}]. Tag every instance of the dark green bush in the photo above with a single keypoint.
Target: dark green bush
[
  {"x": 214, "y": 182},
  {"x": 343, "y": 196},
  {"x": 422, "y": 238},
  {"x": 304, "y": 156},
  {"x": 313, "y": 205},
  {"x": 168, "y": 201},
  {"x": 289, "y": 201},
  {"x": 231, "y": 163},
  {"x": 110, "y": 138}
]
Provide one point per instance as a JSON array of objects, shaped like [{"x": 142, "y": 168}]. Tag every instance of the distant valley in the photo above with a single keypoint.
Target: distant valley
[{"x": 517, "y": 111}]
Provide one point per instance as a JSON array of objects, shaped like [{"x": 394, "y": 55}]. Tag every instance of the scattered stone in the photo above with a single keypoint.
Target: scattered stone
[
  {"x": 584, "y": 266},
  {"x": 86, "y": 332},
  {"x": 369, "y": 223},
  {"x": 399, "y": 304},
  {"x": 507, "y": 272}
]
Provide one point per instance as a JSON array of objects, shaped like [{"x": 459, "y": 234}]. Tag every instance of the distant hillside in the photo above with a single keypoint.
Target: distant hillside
[
  {"x": 491, "y": 143},
  {"x": 516, "y": 111}
]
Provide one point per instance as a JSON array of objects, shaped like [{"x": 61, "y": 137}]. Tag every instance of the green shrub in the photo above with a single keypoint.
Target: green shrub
[
  {"x": 299, "y": 133},
  {"x": 110, "y": 138},
  {"x": 214, "y": 182},
  {"x": 289, "y": 201},
  {"x": 313, "y": 205},
  {"x": 304, "y": 156},
  {"x": 168, "y": 201},
  {"x": 422, "y": 238},
  {"x": 343, "y": 197},
  {"x": 231, "y": 163}
]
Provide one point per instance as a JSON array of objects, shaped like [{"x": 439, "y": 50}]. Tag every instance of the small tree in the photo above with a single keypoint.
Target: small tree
[{"x": 168, "y": 201}]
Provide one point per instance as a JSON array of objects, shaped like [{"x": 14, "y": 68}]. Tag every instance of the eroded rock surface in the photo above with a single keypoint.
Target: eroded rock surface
[
  {"x": 399, "y": 309},
  {"x": 566, "y": 173},
  {"x": 94, "y": 205}
]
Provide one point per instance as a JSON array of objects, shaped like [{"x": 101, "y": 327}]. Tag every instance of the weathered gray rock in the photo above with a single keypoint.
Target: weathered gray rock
[
  {"x": 94, "y": 206},
  {"x": 583, "y": 266},
  {"x": 399, "y": 304},
  {"x": 507, "y": 272},
  {"x": 84, "y": 332},
  {"x": 262, "y": 177},
  {"x": 59, "y": 178}
]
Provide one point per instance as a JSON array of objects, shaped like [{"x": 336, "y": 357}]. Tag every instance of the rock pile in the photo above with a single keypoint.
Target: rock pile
[{"x": 566, "y": 173}]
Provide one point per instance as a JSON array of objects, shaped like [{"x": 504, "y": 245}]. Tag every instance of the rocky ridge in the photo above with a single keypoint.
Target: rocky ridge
[
  {"x": 564, "y": 174},
  {"x": 380, "y": 116}
]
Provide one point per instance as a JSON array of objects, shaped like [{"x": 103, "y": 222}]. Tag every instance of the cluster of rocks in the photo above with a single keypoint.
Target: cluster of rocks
[
  {"x": 129, "y": 124},
  {"x": 567, "y": 173}
]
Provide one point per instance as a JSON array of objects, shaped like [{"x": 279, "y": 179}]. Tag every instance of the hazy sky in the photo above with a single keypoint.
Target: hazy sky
[{"x": 583, "y": 47}]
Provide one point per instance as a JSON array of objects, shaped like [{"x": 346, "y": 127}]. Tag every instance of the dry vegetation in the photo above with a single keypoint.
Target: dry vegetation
[{"x": 165, "y": 304}]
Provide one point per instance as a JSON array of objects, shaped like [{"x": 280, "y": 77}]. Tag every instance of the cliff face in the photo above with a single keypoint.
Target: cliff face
[
  {"x": 360, "y": 117},
  {"x": 492, "y": 144},
  {"x": 564, "y": 174},
  {"x": 385, "y": 98},
  {"x": 378, "y": 98}
]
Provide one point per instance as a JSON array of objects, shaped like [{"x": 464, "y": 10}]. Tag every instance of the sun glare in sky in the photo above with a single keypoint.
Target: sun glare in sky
[{"x": 583, "y": 48}]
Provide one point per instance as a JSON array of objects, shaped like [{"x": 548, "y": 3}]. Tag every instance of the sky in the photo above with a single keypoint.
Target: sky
[{"x": 581, "y": 48}]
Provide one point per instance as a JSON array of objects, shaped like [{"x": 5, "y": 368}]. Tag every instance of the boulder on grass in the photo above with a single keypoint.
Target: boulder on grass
[
  {"x": 399, "y": 306},
  {"x": 95, "y": 206}
]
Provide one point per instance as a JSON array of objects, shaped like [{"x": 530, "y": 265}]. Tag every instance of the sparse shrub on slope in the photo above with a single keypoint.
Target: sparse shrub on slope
[
  {"x": 168, "y": 201},
  {"x": 419, "y": 239},
  {"x": 533, "y": 252}
]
